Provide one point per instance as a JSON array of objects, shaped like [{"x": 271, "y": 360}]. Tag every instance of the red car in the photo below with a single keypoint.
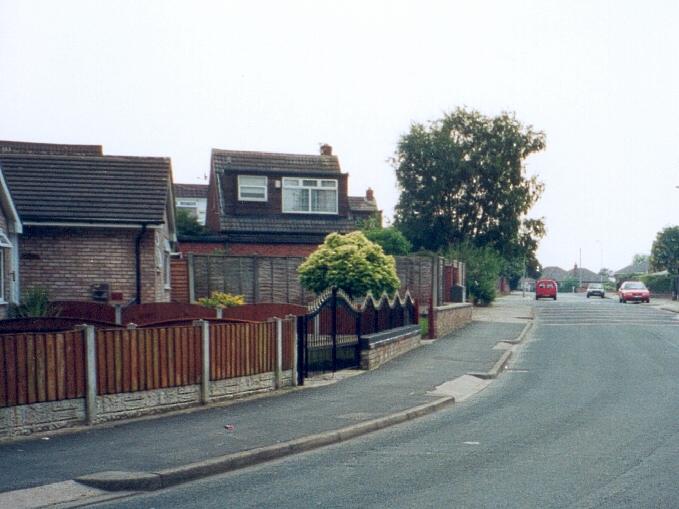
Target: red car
[
  {"x": 546, "y": 288},
  {"x": 634, "y": 291}
]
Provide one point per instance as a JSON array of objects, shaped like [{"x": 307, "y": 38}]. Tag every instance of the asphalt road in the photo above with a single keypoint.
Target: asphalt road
[{"x": 585, "y": 416}]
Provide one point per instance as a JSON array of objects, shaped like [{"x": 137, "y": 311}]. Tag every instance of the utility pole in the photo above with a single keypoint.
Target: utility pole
[{"x": 580, "y": 270}]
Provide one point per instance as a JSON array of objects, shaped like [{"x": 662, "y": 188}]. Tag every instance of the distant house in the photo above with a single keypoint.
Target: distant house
[
  {"x": 640, "y": 267},
  {"x": 580, "y": 274},
  {"x": 95, "y": 227},
  {"x": 555, "y": 273},
  {"x": 262, "y": 203},
  {"x": 193, "y": 199}
]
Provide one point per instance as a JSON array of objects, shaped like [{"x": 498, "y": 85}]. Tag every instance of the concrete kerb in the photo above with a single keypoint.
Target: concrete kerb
[
  {"x": 504, "y": 358},
  {"x": 149, "y": 481}
]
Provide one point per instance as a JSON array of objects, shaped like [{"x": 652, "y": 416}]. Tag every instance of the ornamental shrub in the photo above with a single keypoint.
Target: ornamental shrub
[
  {"x": 352, "y": 263},
  {"x": 220, "y": 300}
]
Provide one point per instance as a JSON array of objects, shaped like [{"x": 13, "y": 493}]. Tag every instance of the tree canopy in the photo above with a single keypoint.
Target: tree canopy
[
  {"x": 350, "y": 262},
  {"x": 462, "y": 179},
  {"x": 665, "y": 250},
  {"x": 187, "y": 224}
]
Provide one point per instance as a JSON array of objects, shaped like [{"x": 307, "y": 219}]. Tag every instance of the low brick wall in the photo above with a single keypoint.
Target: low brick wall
[
  {"x": 377, "y": 349},
  {"x": 24, "y": 420},
  {"x": 448, "y": 318}
]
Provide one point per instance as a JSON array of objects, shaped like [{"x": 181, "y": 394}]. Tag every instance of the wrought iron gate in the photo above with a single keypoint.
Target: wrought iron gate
[{"x": 329, "y": 336}]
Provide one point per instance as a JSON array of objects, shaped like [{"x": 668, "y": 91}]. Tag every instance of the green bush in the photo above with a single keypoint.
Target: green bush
[
  {"x": 392, "y": 241},
  {"x": 35, "y": 304},
  {"x": 483, "y": 266},
  {"x": 568, "y": 284},
  {"x": 220, "y": 300},
  {"x": 658, "y": 284}
]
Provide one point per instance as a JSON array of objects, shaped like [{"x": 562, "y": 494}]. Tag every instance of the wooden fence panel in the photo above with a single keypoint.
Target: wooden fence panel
[
  {"x": 35, "y": 368},
  {"x": 242, "y": 349},
  {"x": 145, "y": 359}
]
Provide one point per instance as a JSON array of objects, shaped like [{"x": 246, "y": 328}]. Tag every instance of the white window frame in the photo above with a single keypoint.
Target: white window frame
[
  {"x": 263, "y": 187},
  {"x": 5, "y": 244},
  {"x": 304, "y": 183}
]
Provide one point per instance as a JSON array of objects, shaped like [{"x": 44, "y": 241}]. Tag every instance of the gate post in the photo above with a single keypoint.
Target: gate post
[
  {"x": 333, "y": 331},
  {"x": 278, "y": 373},
  {"x": 301, "y": 359}
]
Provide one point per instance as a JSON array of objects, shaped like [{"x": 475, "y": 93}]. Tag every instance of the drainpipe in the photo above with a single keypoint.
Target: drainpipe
[{"x": 137, "y": 262}]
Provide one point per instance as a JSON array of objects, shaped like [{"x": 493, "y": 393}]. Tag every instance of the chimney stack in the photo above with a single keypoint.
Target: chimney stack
[
  {"x": 326, "y": 150},
  {"x": 369, "y": 195}
]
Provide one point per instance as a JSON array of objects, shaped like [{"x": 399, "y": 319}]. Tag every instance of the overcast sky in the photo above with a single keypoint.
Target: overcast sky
[{"x": 176, "y": 79}]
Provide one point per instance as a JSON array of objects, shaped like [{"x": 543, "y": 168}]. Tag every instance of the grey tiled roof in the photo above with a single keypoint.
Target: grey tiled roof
[
  {"x": 634, "y": 268},
  {"x": 23, "y": 147},
  {"x": 293, "y": 224},
  {"x": 360, "y": 204},
  {"x": 555, "y": 273},
  {"x": 190, "y": 190},
  {"x": 105, "y": 189},
  {"x": 235, "y": 160}
]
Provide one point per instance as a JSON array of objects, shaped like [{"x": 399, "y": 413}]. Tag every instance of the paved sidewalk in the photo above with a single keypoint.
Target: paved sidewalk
[{"x": 356, "y": 404}]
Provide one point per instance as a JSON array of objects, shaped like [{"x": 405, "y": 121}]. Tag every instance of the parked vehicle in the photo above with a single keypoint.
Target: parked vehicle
[
  {"x": 546, "y": 288},
  {"x": 595, "y": 289},
  {"x": 634, "y": 291}
]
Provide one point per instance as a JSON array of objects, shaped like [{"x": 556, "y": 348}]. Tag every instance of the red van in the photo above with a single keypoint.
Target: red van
[{"x": 546, "y": 288}]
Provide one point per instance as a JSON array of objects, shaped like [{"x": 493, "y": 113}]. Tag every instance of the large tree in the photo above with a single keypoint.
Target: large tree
[
  {"x": 665, "y": 250},
  {"x": 462, "y": 179}
]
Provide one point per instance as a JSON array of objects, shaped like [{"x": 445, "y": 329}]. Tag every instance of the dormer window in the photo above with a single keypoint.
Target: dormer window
[
  {"x": 251, "y": 188},
  {"x": 309, "y": 196}
]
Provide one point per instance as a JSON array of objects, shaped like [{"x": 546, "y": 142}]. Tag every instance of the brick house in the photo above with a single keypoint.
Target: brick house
[
  {"x": 271, "y": 204},
  {"x": 193, "y": 199},
  {"x": 95, "y": 227}
]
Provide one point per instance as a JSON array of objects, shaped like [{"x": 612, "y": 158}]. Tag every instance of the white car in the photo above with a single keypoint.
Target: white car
[{"x": 595, "y": 289}]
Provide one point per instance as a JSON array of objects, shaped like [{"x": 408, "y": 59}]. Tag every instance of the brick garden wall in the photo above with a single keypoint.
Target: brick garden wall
[{"x": 448, "y": 318}]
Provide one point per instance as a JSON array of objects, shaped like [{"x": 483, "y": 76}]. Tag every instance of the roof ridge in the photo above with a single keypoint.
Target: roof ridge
[
  {"x": 219, "y": 151},
  {"x": 106, "y": 157}
]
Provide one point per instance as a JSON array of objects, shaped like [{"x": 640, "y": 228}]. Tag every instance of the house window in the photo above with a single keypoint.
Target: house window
[
  {"x": 310, "y": 196},
  {"x": 251, "y": 188},
  {"x": 5, "y": 245},
  {"x": 190, "y": 206}
]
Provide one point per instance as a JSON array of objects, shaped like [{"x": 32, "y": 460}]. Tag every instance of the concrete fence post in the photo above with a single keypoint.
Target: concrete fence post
[
  {"x": 119, "y": 314},
  {"x": 91, "y": 375},
  {"x": 205, "y": 364},
  {"x": 278, "y": 374}
]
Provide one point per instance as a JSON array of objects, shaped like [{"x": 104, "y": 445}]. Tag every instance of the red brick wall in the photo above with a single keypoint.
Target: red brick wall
[
  {"x": 303, "y": 250},
  {"x": 201, "y": 247},
  {"x": 230, "y": 249},
  {"x": 67, "y": 261}
]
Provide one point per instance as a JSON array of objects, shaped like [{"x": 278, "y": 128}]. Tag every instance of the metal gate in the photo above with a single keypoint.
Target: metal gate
[{"x": 329, "y": 336}]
